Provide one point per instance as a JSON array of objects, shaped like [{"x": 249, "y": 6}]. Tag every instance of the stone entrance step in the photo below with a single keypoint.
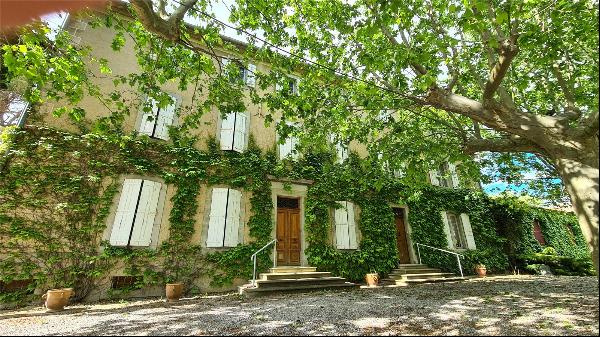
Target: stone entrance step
[
  {"x": 407, "y": 274},
  {"x": 294, "y": 279}
]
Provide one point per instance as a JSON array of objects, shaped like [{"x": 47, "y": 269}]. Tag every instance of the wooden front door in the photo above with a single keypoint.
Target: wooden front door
[
  {"x": 288, "y": 236},
  {"x": 401, "y": 239}
]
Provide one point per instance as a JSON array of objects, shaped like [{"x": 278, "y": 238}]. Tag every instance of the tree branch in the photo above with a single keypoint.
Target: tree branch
[
  {"x": 571, "y": 111},
  {"x": 507, "y": 53},
  {"x": 515, "y": 144}
]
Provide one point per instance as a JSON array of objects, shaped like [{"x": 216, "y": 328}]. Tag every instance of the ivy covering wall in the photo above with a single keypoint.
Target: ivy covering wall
[{"x": 56, "y": 189}]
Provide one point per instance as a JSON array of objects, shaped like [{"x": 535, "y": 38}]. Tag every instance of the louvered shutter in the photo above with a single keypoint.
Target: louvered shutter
[
  {"x": 239, "y": 141},
  {"x": 141, "y": 235},
  {"x": 433, "y": 176},
  {"x": 341, "y": 226},
  {"x": 453, "y": 174},
  {"x": 285, "y": 149},
  {"x": 352, "y": 243},
  {"x": 342, "y": 152},
  {"x": 149, "y": 118},
  {"x": 216, "y": 223},
  {"x": 227, "y": 127},
  {"x": 294, "y": 152},
  {"x": 125, "y": 212},
  {"x": 165, "y": 119},
  {"x": 232, "y": 223},
  {"x": 225, "y": 62},
  {"x": 468, "y": 231},
  {"x": 251, "y": 75},
  {"x": 447, "y": 229}
]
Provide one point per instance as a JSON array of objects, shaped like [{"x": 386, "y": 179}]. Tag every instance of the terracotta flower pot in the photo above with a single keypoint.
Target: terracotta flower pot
[
  {"x": 174, "y": 291},
  {"x": 372, "y": 279},
  {"x": 69, "y": 292},
  {"x": 481, "y": 271},
  {"x": 56, "y": 299}
]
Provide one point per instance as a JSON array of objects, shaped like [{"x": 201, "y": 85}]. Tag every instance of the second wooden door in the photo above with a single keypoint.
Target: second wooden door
[{"x": 288, "y": 237}]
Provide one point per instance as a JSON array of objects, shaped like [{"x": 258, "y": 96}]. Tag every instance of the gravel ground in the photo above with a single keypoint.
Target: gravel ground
[{"x": 507, "y": 305}]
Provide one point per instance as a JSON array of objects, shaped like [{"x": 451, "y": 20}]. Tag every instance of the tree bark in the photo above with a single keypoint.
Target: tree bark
[{"x": 581, "y": 181}]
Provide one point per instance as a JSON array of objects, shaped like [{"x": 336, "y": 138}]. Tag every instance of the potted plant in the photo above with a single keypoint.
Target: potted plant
[
  {"x": 173, "y": 288},
  {"x": 56, "y": 299},
  {"x": 372, "y": 278},
  {"x": 480, "y": 269},
  {"x": 174, "y": 291}
]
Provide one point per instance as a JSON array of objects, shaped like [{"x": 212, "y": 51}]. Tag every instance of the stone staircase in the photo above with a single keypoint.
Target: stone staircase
[
  {"x": 407, "y": 274},
  {"x": 294, "y": 279}
]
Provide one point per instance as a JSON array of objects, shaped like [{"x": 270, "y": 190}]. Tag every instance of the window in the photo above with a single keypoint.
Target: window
[
  {"x": 290, "y": 85},
  {"x": 288, "y": 148},
  {"x": 155, "y": 123},
  {"x": 234, "y": 131},
  {"x": 136, "y": 213},
  {"x": 537, "y": 232},
  {"x": 345, "y": 226},
  {"x": 444, "y": 176},
  {"x": 245, "y": 75},
  {"x": 458, "y": 231},
  {"x": 342, "y": 152},
  {"x": 224, "y": 219}
]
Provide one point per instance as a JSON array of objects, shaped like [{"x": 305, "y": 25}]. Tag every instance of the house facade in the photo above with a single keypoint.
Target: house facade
[{"x": 217, "y": 218}]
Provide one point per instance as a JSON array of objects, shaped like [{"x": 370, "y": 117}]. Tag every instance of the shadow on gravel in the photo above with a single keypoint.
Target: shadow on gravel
[{"x": 547, "y": 306}]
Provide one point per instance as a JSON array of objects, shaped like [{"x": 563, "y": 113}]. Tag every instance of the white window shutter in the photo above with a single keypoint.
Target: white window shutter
[
  {"x": 352, "y": 243},
  {"x": 141, "y": 235},
  {"x": 447, "y": 229},
  {"x": 294, "y": 152},
  {"x": 342, "y": 152},
  {"x": 341, "y": 226},
  {"x": 216, "y": 223},
  {"x": 251, "y": 75},
  {"x": 285, "y": 149},
  {"x": 433, "y": 176},
  {"x": 125, "y": 212},
  {"x": 239, "y": 141},
  {"x": 468, "y": 231},
  {"x": 227, "y": 127},
  {"x": 452, "y": 169},
  {"x": 149, "y": 118},
  {"x": 278, "y": 86},
  {"x": 224, "y": 62},
  {"x": 232, "y": 223},
  {"x": 165, "y": 119}
]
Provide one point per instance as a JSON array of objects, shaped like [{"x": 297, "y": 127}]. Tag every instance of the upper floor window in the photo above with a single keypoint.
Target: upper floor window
[
  {"x": 136, "y": 214},
  {"x": 345, "y": 226},
  {"x": 155, "y": 120},
  {"x": 234, "y": 131},
  {"x": 445, "y": 176},
  {"x": 458, "y": 231},
  {"x": 243, "y": 74},
  {"x": 290, "y": 85},
  {"x": 288, "y": 148},
  {"x": 224, "y": 220}
]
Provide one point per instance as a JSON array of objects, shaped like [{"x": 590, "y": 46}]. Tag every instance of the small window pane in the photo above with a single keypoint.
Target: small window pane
[{"x": 287, "y": 202}]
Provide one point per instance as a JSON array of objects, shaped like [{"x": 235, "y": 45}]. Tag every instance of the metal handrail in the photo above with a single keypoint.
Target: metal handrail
[
  {"x": 458, "y": 256},
  {"x": 253, "y": 258}
]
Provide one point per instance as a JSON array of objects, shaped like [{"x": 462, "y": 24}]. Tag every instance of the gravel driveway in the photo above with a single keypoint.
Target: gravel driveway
[{"x": 507, "y": 305}]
